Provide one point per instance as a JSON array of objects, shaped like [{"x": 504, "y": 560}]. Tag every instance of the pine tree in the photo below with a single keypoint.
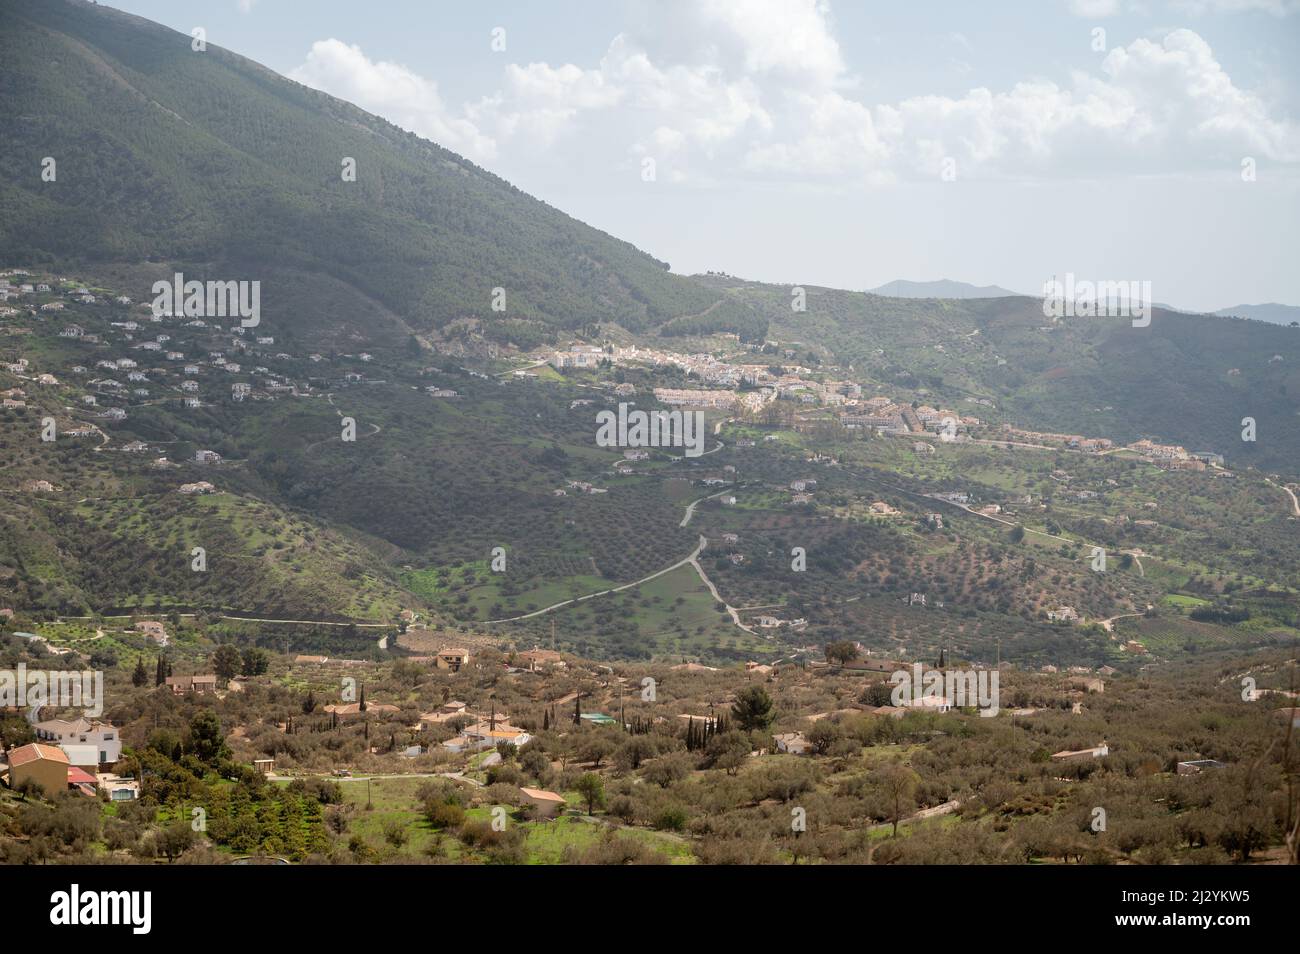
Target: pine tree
[{"x": 141, "y": 675}]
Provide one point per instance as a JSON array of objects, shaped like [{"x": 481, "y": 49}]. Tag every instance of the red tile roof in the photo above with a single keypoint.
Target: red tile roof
[
  {"x": 78, "y": 776},
  {"x": 30, "y": 753}
]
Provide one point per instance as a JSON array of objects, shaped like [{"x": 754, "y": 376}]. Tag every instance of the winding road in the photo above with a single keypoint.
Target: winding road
[
  {"x": 689, "y": 560},
  {"x": 690, "y": 507},
  {"x": 1295, "y": 504}
]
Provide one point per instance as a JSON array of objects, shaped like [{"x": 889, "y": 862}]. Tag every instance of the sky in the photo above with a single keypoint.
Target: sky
[{"x": 828, "y": 142}]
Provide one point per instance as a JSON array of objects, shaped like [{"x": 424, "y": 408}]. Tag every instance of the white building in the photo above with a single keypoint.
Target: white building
[{"x": 103, "y": 736}]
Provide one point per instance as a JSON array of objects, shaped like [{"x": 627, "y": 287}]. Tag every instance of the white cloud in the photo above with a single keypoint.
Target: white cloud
[
  {"x": 1191, "y": 100},
  {"x": 759, "y": 89},
  {"x": 790, "y": 38},
  {"x": 400, "y": 95}
]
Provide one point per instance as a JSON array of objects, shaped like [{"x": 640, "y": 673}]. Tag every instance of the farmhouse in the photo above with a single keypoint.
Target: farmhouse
[
  {"x": 453, "y": 659},
  {"x": 152, "y": 628},
  {"x": 42, "y": 765},
  {"x": 792, "y": 743},
  {"x": 545, "y": 804},
  {"x": 183, "y": 685},
  {"x": 100, "y": 737}
]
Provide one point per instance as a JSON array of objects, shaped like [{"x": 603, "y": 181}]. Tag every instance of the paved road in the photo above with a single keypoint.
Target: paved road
[
  {"x": 616, "y": 589},
  {"x": 690, "y": 507},
  {"x": 731, "y": 610}
]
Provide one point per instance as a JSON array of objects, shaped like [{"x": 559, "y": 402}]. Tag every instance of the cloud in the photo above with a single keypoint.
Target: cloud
[
  {"x": 1189, "y": 100},
  {"x": 1277, "y": 8},
  {"x": 400, "y": 95},
  {"x": 786, "y": 38},
  {"x": 716, "y": 90},
  {"x": 1094, "y": 9}
]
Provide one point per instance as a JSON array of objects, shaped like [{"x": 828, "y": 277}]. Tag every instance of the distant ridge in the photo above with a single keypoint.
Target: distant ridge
[
  {"x": 1271, "y": 312},
  {"x": 943, "y": 288}
]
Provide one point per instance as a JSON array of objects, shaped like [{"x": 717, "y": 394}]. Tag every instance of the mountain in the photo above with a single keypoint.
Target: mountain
[
  {"x": 1187, "y": 379},
  {"x": 1271, "y": 312},
  {"x": 208, "y": 160},
  {"x": 943, "y": 288},
  {"x": 376, "y": 311}
]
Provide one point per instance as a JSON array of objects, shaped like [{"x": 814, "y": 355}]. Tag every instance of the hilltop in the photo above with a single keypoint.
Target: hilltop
[{"x": 943, "y": 288}]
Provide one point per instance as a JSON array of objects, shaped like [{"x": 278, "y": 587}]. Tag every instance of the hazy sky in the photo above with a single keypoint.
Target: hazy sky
[{"x": 848, "y": 144}]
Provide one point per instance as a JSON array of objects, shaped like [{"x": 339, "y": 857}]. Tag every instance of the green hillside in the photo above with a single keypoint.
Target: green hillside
[
  {"x": 376, "y": 309},
  {"x": 1184, "y": 379},
  {"x": 211, "y": 161}
]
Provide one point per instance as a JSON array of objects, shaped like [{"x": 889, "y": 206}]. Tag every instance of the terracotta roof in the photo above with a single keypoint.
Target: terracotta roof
[
  {"x": 78, "y": 776},
  {"x": 541, "y": 794},
  {"x": 30, "y": 753}
]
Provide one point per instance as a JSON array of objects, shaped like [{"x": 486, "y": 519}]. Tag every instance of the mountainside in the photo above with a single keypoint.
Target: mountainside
[
  {"x": 1189, "y": 379},
  {"x": 210, "y": 160},
  {"x": 176, "y": 433},
  {"x": 943, "y": 288},
  {"x": 204, "y": 161}
]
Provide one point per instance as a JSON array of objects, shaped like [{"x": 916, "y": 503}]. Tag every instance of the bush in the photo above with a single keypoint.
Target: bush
[{"x": 670, "y": 818}]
